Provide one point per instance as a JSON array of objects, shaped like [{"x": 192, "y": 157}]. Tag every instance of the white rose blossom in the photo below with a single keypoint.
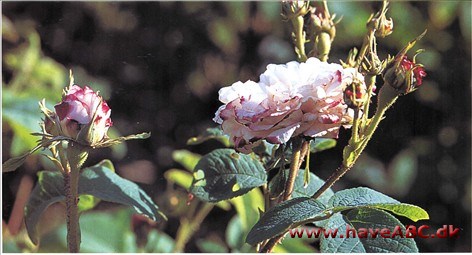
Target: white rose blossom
[{"x": 290, "y": 100}]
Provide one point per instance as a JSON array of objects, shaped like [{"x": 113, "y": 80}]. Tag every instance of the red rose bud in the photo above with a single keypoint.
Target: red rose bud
[
  {"x": 404, "y": 75},
  {"x": 84, "y": 115},
  {"x": 355, "y": 94}
]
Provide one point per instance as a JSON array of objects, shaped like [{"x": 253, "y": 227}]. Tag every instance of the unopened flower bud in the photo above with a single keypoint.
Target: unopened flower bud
[
  {"x": 355, "y": 94},
  {"x": 323, "y": 22},
  {"x": 380, "y": 24},
  {"x": 293, "y": 9},
  {"x": 84, "y": 115},
  {"x": 404, "y": 75}
]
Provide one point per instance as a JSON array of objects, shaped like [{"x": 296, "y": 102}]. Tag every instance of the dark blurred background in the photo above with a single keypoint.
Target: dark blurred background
[{"x": 160, "y": 65}]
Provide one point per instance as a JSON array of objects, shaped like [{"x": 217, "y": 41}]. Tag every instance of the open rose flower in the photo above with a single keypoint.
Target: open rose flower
[
  {"x": 290, "y": 100},
  {"x": 83, "y": 110}
]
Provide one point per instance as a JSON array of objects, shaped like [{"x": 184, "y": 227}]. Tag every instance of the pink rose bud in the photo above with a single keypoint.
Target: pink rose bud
[{"x": 84, "y": 115}]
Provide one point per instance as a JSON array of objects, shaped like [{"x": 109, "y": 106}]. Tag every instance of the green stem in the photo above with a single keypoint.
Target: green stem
[
  {"x": 370, "y": 83},
  {"x": 188, "y": 227},
  {"x": 324, "y": 46},
  {"x": 299, "y": 38},
  {"x": 355, "y": 127}
]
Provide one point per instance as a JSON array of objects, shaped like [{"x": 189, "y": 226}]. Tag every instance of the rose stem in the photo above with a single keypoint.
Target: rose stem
[
  {"x": 297, "y": 158},
  {"x": 71, "y": 183}
]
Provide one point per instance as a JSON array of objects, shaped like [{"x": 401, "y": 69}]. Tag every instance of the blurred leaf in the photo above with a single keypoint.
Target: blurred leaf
[
  {"x": 180, "y": 177},
  {"x": 296, "y": 245},
  {"x": 443, "y": 13},
  {"x": 465, "y": 18},
  {"x": 222, "y": 33},
  {"x": 224, "y": 174},
  {"x": 321, "y": 144},
  {"x": 209, "y": 246},
  {"x": 367, "y": 218},
  {"x": 235, "y": 233},
  {"x": 402, "y": 172},
  {"x": 284, "y": 216},
  {"x": 159, "y": 242},
  {"x": 129, "y": 242},
  {"x": 211, "y": 133},
  {"x": 186, "y": 158},
  {"x": 247, "y": 207},
  {"x": 48, "y": 190},
  {"x": 99, "y": 181},
  {"x": 23, "y": 115},
  {"x": 119, "y": 150},
  {"x": 102, "y": 231}
]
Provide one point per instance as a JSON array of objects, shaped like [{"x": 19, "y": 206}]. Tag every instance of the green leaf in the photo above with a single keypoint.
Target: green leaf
[
  {"x": 357, "y": 197},
  {"x": 321, "y": 144},
  {"x": 365, "y": 197},
  {"x": 235, "y": 233},
  {"x": 209, "y": 134},
  {"x": 48, "y": 190},
  {"x": 360, "y": 219},
  {"x": 224, "y": 174},
  {"x": 102, "y": 231},
  {"x": 209, "y": 246},
  {"x": 295, "y": 245},
  {"x": 87, "y": 202},
  {"x": 284, "y": 216},
  {"x": 186, "y": 158},
  {"x": 180, "y": 177},
  {"x": 413, "y": 212},
  {"x": 159, "y": 242},
  {"x": 99, "y": 181},
  {"x": 247, "y": 207}
]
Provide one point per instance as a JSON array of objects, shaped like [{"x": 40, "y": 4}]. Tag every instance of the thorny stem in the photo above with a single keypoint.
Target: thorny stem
[
  {"x": 189, "y": 225},
  {"x": 76, "y": 155},
  {"x": 294, "y": 167},
  {"x": 299, "y": 152}
]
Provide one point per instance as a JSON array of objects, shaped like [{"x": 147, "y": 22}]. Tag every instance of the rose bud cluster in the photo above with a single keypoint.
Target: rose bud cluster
[
  {"x": 404, "y": 75},
  {"x": 83, "y": 115},
  {"x": 290, "y": 100}
]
